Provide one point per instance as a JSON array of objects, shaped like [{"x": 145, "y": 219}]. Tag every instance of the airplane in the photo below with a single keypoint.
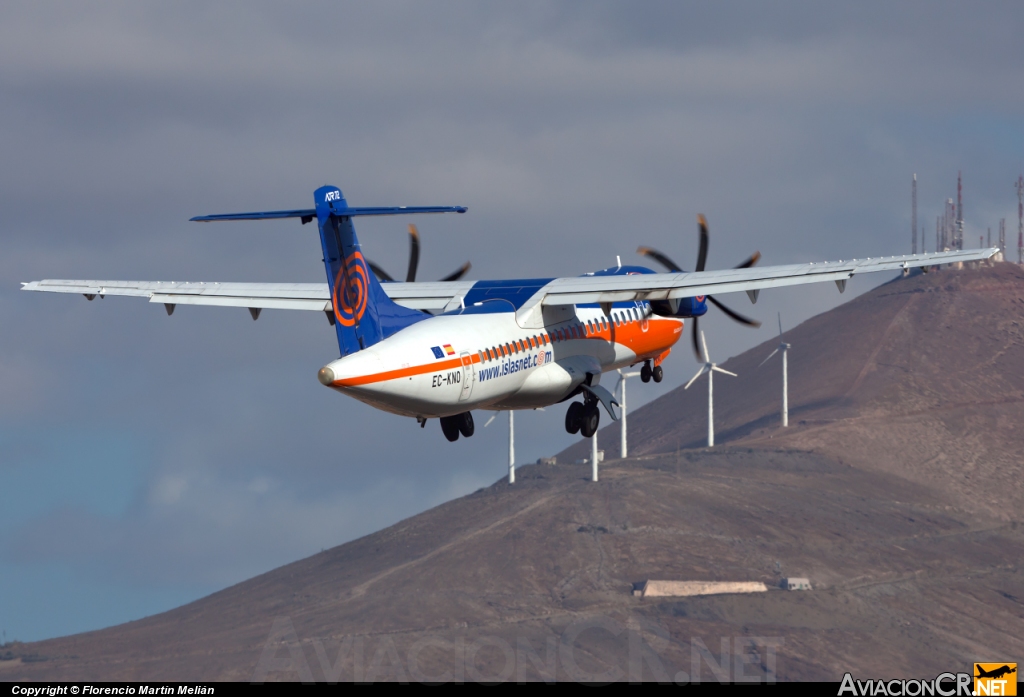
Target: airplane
[
  {"x": 995, "y": 672},
  {"x": 442, "y": 349}
]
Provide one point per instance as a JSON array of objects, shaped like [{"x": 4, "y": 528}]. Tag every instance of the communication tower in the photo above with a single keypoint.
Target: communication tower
[
  {"x": 959, "y": 243},
  {"x": 913, "y": 217},
  {"x": 1020, "y": 220}
]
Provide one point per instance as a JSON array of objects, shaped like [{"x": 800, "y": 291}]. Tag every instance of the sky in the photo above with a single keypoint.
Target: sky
[{"x": 147, "y": 460}]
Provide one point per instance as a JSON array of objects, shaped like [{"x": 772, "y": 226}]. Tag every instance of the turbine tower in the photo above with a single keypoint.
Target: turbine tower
[
  {"x": 709, "y": 368},
  {"x": 511, "y": 443},
  {"x": 623, "y": 451},
  {"x": 511, "y": 447},
  {"x": 784, "y": 347}
]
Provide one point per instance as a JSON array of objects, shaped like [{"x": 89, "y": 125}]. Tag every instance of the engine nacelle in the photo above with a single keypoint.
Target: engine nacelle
[{"x": 680, "y": 307}]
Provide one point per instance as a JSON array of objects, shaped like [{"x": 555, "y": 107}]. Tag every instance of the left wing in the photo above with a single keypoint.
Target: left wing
[{"x": 278, "y": 296}]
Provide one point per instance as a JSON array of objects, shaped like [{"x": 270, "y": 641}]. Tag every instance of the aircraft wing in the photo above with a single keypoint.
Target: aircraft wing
[
  {"x": 277, "y": 296},
  {"x": 665, "y": 286},
  {"x": 560, "y": 291}
]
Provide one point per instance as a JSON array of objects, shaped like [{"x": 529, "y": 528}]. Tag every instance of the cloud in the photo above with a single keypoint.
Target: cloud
[{"x": 573, "y": 131}]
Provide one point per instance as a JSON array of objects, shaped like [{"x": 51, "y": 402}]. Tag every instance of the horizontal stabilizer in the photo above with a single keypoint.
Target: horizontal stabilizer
[{"x": 308, "y": 214}]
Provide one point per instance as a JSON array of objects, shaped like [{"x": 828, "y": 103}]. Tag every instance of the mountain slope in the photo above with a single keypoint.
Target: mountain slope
[{"x": 895, "y": 492}]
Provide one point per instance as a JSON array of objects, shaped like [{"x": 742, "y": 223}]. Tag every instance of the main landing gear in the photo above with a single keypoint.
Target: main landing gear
[
  {"x": 452, "y": 426},
  {"x": 647, "y": 372},
  {"x": 582, "y": 418}
]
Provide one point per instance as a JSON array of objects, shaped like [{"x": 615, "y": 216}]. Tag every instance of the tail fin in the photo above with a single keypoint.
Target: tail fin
[{"x": 363, "y": 313}]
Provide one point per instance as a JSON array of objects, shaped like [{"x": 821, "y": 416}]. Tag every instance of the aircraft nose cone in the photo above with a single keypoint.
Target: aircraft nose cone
[{"x": 325, "y": 376}]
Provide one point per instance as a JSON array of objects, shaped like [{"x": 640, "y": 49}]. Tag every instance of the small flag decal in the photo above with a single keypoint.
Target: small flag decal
[
  {"x": 449, "y": 350},
  {"x": 438, "y": 353}
]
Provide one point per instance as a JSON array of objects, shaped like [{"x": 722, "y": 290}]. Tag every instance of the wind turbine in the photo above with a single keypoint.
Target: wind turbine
[
  {"x": 511, "y": 443},
  {"x": 709, "y": 368},
  {"x": 784, "y": 347},
  {"x": 622, "y": 408}
]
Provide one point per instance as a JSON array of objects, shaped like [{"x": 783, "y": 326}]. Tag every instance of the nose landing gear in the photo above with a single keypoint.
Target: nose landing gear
[
  {"x": 462, "y": 423},
  {"x": 647, "y": 372}
]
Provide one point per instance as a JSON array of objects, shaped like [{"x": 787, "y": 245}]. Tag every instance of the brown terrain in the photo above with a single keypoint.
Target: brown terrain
[{"x": 896, "y": 490}]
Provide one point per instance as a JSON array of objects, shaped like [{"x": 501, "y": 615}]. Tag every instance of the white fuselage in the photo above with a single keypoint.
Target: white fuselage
[{"x": 488, "y": 361}]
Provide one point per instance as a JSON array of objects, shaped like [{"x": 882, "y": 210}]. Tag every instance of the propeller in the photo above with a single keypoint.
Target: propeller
[
  {"x": 414, "y": 262},
  {"x": 702, "y": 257}
]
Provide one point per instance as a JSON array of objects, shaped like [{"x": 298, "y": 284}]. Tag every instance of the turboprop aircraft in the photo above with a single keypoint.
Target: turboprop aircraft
[{"x": 442, "y": 349}]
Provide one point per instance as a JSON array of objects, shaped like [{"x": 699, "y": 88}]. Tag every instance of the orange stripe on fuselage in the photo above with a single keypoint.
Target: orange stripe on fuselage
[
  {"x": 402, "y": 372},
  {"x": 660, "y": 336}
]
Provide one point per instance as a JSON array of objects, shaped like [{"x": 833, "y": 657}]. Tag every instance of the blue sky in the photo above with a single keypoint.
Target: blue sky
[{"x": 149, "y": 460}]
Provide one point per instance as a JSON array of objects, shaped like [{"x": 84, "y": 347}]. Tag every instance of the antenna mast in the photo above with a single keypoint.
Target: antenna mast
[
  {"x": 913, "y": 218},
  {"x": 1020, "y": 220},
  {"x": 959, "y": 214}
]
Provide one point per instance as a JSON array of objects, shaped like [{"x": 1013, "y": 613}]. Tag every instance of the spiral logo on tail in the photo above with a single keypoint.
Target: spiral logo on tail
[{"x": 351, "y": 290}]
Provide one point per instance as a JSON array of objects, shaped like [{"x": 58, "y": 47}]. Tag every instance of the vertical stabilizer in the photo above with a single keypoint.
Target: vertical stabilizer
[{"x": 363, "y": 313}]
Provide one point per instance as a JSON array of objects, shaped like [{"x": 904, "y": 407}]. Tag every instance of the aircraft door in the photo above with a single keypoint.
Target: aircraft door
[{"x": 467, "y": 376}]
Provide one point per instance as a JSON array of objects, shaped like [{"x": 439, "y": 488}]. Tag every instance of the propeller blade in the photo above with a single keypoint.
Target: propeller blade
[
  {"x": 696, "y": 346},
  {"x": 458, "y": 273},
  {"x": 380, "y": 273},
  {"x": 414, "y": 253},
  {"x": 659, "y": 257},
  {"x": 766, "y": 359},
  {"x": 702, "y": 253},
  {"x": 723, "y": 370},
  {"x": 753, "y": 259},
  {"x": 700, "y": 372},
  {"x": 734, "y": 315}
]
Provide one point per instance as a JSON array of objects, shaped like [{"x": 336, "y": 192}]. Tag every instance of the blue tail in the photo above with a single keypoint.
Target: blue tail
[{"x": 363, "y": 313}]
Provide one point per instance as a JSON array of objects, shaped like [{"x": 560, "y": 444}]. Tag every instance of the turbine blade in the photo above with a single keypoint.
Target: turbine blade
[
  {"x": 734, "y": 315},
  {"x": 659, "y": 257},
  {"x": 414, "y": 253},
  {"x": 493, "y": 417},
  {"x": 459, "y": 273},
  {"x": 766, "y": 359},
  {"x": 380, "y": 273},
  {"x": 780, "y": 326},
  {"x": 699, "y": 373},
  {"x": 723, "y": 370},
  {"x": 704, "y": 341}
]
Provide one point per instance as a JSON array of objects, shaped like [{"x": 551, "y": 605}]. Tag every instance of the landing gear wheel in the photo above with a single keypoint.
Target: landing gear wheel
[
  {"x": 465, "y": 422},
  {"x": 657, "y": 373},
  {"x": 450, "y": 427},
  {"x": 591, "y": 418},
  {"x": 645, "y": 373},
  {"x": 574, "y": 417}
]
